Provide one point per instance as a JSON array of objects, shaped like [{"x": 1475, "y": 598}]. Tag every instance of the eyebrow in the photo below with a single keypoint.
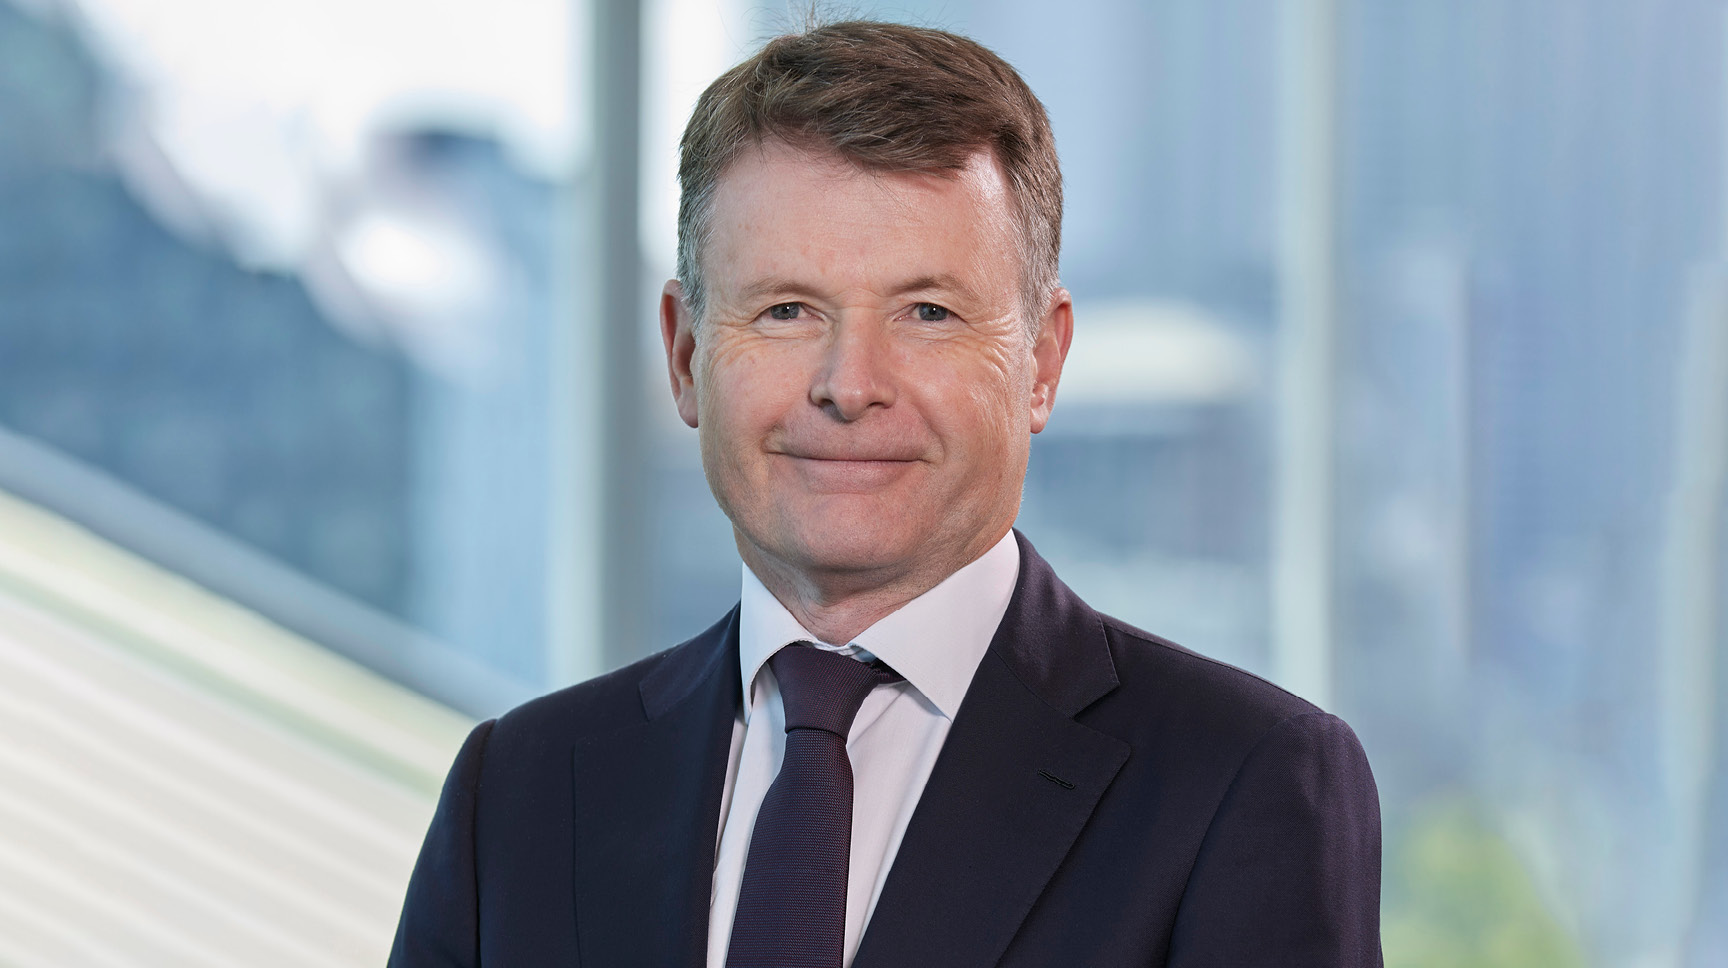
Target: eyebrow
[
  {"x": 787, "y": 286},
  {"x": 941, "y": 282},
  {"x": 776, "y": 285}
]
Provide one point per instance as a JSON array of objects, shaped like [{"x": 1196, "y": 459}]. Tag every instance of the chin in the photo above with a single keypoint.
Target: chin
[
  {"x": 870, "y": 539},
  {"x": 852, "y": 549}
]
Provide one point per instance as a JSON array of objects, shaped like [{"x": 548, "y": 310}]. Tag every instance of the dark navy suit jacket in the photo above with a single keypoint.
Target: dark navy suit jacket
[{"x": 1104, "y": 798}]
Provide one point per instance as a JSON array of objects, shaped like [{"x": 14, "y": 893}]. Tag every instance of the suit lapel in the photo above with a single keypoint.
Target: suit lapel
[
  {"x": 1015, "y": 783},
  {"x": 647, "y": 807}
]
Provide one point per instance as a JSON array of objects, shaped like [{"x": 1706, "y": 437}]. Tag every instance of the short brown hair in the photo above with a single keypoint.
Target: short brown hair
[{"x": 888, "y": 98}]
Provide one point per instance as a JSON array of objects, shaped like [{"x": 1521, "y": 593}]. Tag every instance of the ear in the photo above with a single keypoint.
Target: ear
[
  {"x": 677, "y": 333},
  {"x": 1049, "y": 351}
]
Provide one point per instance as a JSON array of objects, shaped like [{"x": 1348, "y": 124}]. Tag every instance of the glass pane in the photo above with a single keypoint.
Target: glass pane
[
  {"x": 278, "y": 294},
  {"x": 1532, "y": 224}
]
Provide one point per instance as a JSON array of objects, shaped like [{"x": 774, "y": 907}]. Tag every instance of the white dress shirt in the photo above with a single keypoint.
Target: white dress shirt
[{"x": 936, "y": 641}]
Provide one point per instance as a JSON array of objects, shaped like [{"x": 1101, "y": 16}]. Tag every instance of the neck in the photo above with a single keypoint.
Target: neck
[{"x": 837, "y": 607}]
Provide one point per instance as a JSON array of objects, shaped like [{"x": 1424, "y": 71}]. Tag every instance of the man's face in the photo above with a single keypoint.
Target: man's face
[{"x": 864, "y": 384}]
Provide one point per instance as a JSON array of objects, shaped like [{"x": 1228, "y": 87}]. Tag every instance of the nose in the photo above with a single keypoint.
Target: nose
[{"x": 856, "y": 374}]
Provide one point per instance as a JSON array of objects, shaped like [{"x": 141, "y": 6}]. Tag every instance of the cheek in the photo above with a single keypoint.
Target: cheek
[
  {"x": 997, "y": 395},
  {"x": 720, "y": 376},
  {"x": 980, "y": 415},
  {"x": 741, "y": 394}
]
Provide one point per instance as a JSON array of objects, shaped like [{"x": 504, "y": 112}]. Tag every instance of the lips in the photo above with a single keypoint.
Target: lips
[
  {"x": 852, "y": 452},
  {"x": 855, "y": 458},
  {"x": 849, "y": 474}
]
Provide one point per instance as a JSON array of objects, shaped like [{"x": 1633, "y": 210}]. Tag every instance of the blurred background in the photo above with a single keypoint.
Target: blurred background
[{"x": 332, "y": 419}]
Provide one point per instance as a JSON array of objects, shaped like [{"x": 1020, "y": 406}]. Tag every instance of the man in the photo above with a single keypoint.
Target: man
[{"x": 910, "y": 744}]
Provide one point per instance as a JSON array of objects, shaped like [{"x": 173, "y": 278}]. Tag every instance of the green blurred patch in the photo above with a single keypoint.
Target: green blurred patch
[{"x": 1458, "y": 897}]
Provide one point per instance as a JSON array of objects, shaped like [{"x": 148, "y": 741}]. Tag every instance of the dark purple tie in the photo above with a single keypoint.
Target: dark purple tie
[{"x": 792, "y": 903}]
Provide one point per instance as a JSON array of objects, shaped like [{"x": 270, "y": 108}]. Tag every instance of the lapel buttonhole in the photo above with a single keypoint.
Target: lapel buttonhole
[{"x": 1064, "y": 784}]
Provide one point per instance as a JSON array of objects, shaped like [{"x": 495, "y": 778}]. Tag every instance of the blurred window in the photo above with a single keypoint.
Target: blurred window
[
  {"x": 1400, "y": 374},
  {"x": 279, "y": 289}
]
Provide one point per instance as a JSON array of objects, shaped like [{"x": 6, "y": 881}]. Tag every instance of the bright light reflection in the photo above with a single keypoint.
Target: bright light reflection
[{"x": 309, "y": 82}]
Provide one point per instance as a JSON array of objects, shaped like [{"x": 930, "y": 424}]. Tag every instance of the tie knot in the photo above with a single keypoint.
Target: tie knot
[{"x": 822, "y": 689}]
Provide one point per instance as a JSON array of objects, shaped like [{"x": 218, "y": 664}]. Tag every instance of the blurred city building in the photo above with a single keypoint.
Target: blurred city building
[{"x": 1400, "y": 377}]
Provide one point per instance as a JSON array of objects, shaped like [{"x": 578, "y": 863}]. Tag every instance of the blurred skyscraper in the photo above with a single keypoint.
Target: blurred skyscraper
[
  {"x": 1523, "y": 564},
  {"x": 386, "y": 444}
]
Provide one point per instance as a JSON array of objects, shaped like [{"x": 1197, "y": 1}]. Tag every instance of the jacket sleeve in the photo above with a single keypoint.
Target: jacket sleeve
[
  {"x": 1288, "y": 874},
  {"x": 440, "y": 925}
]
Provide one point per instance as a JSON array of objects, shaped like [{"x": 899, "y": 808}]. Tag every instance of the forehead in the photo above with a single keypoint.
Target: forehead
[{"x": 785, "y": 211}]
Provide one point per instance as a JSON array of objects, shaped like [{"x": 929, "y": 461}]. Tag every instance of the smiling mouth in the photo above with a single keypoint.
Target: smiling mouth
[
  {"x": 854, "y": 460},
  {"x": 850, "y": 474}
]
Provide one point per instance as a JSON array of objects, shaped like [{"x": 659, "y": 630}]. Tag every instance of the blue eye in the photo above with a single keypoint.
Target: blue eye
[
  {"x": 931, "y": 313},
  {"x": 785, "y": 311}
]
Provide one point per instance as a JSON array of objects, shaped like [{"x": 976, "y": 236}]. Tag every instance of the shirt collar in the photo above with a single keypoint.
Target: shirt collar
[{"x": 936, "y": 640}]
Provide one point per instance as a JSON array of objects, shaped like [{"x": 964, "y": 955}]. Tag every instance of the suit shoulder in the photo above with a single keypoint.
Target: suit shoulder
[
  {"x": 596, "y": 705},
  {"x": 1205, "y": 702},
  {"x": 616, "y": 699}
]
